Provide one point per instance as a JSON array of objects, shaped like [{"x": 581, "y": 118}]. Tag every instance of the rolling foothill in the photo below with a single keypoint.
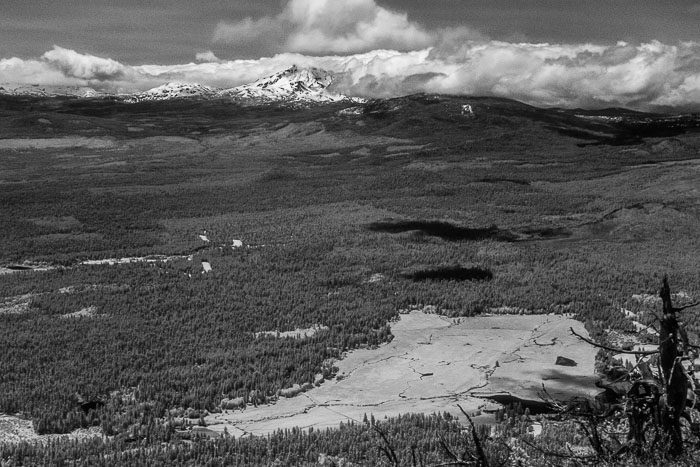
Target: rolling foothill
[{"x": 268, "y": 272}]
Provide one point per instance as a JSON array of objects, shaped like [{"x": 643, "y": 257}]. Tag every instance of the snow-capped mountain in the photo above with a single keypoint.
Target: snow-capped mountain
[
  {"x": 175, "y": 90},
  {"x": 48, "y": 90},
  {"x": 294, "y": 86},
  {"x": 304, "y": 85}
]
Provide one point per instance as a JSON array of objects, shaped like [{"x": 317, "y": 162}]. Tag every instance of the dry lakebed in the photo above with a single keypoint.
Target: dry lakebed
[{"x": 432, "y": 364}]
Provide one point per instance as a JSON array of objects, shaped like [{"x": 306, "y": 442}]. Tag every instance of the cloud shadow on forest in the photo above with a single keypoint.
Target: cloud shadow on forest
[
  {"x": 454, "y": 233},
  {"x": 446, "y": 273},
  {"x": 444, "y": 230}
]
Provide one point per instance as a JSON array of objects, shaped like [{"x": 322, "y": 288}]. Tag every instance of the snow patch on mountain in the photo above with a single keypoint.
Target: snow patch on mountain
[
  {"x": 49, "y": 91},
  {"x": 294, "y": 86},
  {"x": 175, "y": 90},
  {"x": 303, "y": 85}
]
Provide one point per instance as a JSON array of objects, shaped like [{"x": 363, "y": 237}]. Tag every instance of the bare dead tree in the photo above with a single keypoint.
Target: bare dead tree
[
  {"x": 480, "y": 458},
  {"x": 471, "y": 457},
  {"x": 387, "y": 447},
  {"x": 658, "y": 404},
  {"x": 468, "y": 458},
  {"x": 613, "y": 349},
  {"x": 673, "y": 341}
]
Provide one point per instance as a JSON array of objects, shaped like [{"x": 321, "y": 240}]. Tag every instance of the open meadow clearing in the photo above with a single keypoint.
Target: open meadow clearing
[{"x": 432, "y": 364}]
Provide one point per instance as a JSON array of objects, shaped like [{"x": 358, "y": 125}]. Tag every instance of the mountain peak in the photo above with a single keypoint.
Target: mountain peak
[
  {"x": 295, "y": 84},
  {"x": 295, "y": 79},
  {"x": 48, "y": 90},
  {"x": 174, "y": 89}
]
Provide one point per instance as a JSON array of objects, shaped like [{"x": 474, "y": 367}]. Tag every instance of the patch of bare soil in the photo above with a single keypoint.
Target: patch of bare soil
[
  {"x": 131, "y": 259},
  {"x": 295, "y": 334},
  {"x": 9, "y": 269},
  {"x": 15, "y": 430},
  {"x": 433, "y": 364},
  {"x": 164, "y": 143},
  {"x": 406, "y": 148},
  {"x": 57, "y": 143},
  {"x": 87, "y": 312},
  {"x": 15, "y": 305}
]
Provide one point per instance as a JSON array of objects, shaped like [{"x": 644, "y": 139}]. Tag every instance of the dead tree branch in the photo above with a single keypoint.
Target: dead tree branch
[
  {"x": 685, "y": 307},
  {"x": 387, "y": 449},
  {"x": 482, "y": 461},
  {"x": 567, "y": 455},
  {"x": 671, "y": 336},
  {"x": 613, "y": 349}
]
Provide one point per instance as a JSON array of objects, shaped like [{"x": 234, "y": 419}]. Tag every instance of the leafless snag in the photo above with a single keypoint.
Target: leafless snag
[
  {"x": 547, "y": 398},
  {"x": 477, "y": 458},
  {"x": 672, "y": 342},
  {"x": 481, "y": 459},
  {"x": 387, "y": 448},
  {"x": 455, "y": 459},
  {"x": 468, "y": 458},
  {"x": 570, "y": 455},
  {"x": 613, "y": 349},
  {"x": 653, "y": 405}
]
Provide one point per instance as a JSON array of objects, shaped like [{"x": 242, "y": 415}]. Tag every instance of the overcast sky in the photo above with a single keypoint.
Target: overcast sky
[{"x": 551, "y": 52}]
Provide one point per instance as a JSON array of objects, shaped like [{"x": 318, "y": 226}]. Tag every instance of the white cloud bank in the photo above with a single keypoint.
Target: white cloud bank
[
  {"x": 329, "y": 26},
  {"x": 65, "y": 67},
  {"x": 74, "y": 65},
  {"x": 377, "y": 52},
  {"x": 571, "y": 75}
]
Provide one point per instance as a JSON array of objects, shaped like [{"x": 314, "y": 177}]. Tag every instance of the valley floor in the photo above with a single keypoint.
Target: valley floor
[{"x": 433, "y": 364}]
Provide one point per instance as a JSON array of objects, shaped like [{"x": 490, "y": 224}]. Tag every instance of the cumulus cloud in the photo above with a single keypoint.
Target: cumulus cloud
[
  {"x": 568, "y": 75},
  {"x": 328, "y": 26},
  {"x": 18, "y": 71},
  {"x": 207, "y": 56},
  {"x": 642, "y": 76},
  {"x": 377, "y": 52},
  {"x": 65, "y": 67},
  {"x": 560, "y": 74},
  {"x": 383, "y": 53},
  {"x": 86, "y": 67}
]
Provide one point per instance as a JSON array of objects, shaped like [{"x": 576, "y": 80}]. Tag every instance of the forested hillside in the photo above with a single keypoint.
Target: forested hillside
[{"x": 233, "y": 221}]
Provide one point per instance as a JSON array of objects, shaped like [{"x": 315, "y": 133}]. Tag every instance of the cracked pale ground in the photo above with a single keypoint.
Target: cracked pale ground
[
  {"x": 433, "y": 364},
  {"x": 18, "y": 430}
]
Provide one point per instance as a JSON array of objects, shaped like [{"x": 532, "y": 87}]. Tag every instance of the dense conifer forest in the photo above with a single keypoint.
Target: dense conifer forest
[{"x": 306, "y": 218}]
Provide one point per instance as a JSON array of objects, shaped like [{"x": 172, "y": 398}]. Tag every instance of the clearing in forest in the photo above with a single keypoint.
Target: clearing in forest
[{"x": 433, "y": 364}]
